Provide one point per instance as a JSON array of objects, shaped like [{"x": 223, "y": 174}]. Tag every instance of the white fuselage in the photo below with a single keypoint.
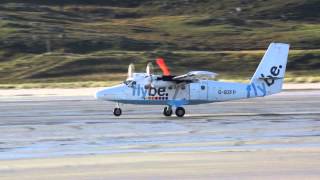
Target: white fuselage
[{"x": 202, "y": 91}]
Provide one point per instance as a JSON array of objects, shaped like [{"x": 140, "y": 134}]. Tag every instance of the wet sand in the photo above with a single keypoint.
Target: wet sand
[{"x": 76, "y": 137}]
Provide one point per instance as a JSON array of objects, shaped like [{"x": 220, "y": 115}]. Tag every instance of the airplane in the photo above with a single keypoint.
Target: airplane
[{"x": 196, "y": 87}]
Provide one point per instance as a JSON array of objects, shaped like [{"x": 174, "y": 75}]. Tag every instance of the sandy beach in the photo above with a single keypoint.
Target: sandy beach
[
  {"x": 66, "y": 134},
  {"x": 297, "y": 164}
]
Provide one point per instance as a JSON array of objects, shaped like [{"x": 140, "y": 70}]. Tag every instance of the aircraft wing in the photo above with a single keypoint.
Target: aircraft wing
[
  {"x": 195, "y": 75},
  {"x": 187, "y": 78}
]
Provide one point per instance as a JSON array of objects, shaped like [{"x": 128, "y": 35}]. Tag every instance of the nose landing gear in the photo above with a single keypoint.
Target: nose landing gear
[{"x": 117, "y": 111}]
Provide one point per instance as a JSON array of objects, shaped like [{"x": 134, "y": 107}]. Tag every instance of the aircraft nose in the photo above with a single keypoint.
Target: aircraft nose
[
  {"x": 107, "y": 94},
  {"x": 99, "y": 95}
]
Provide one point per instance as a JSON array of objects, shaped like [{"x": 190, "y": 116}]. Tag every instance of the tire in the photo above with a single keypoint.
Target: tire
[
  {"x": 167, "y": 111},
  {"x": 180, "y": 111},
  {"x": 117, "y": 112}
]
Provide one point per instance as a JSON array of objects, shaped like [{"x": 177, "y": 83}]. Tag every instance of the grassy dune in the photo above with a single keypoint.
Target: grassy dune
[{"x": 75, "y": 41}]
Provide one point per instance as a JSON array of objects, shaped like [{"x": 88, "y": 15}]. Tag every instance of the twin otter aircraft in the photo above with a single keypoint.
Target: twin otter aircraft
[{"x": 195, "y": 86}]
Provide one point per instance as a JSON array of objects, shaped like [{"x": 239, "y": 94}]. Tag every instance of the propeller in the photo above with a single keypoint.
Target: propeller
[
  {"x": 149, "y": 69},
  {"x": 130, "y": 71},
  {"x": 163, "y": 66}
]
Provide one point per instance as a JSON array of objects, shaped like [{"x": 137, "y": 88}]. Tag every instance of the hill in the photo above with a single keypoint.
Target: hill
[{"x": 69, "y": 40}]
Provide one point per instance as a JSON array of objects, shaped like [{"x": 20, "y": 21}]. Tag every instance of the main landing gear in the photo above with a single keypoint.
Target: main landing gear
[
  {"x": 180, "y": 111},
  {"x": 167, "y": 111}
]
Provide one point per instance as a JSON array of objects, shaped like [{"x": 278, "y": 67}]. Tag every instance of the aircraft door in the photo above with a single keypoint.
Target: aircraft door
[{"x": 199, "y": 91}]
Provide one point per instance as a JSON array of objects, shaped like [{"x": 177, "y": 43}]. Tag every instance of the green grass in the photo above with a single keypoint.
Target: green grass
[
  {"x": 95, "y": 42},
  {"x": 232, "y": 65},
  {"x": 86, "y": 84}
]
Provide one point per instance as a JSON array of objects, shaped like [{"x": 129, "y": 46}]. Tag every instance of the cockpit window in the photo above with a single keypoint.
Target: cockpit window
[
  {"x": 130, "y": 83},
  {"x": 133, "y": 84},
  {"x": 127, "y": 82}
]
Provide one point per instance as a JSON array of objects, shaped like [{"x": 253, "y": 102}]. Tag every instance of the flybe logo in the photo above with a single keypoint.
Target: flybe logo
[
  {"x": 257, "y": 89},
  {"x": 275, "y": 71},
  {"x": 260, "y": 89},
  {"x": 151, "y": 93}
]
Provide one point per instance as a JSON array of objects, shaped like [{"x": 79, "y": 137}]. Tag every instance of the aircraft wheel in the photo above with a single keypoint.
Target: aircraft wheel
[
  {"x": 167, "y": 111},
  {"x": 117, "y": 111},
  {"x": 180, "y": 111}
]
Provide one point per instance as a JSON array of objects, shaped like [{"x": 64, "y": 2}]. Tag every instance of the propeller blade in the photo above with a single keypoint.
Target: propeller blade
[
  {"x": 163, "y": 66},
  {"x": 149, "y": 69},
  {"x": 130, "y": 71}
]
